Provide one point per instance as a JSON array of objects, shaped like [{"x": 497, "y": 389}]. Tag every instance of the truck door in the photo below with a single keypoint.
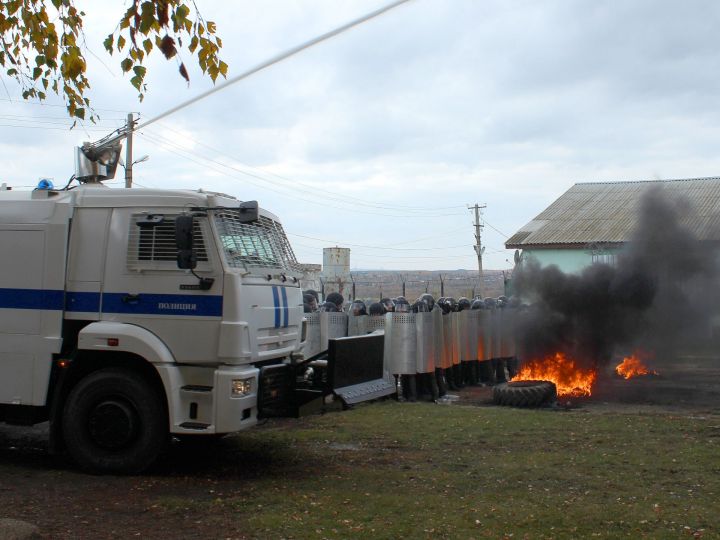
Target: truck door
[
  {"x": 32, "y": 276},
  {"x": 144, "y": 286}
]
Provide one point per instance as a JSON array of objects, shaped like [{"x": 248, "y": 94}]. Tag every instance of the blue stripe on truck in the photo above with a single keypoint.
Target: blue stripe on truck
[
  {"x": 163, "y": 304},
  {"x": 89, "y": 302},
  {"x": 31, "y": 299},
  {"x": 286, "y": 310},
  {"x": 276, "y": 302},
  {"x": 84, "y": 302}
]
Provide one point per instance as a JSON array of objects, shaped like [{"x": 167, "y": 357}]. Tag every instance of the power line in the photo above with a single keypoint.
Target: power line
[
  {"x": 25, "y": 102},
  {"x": 48, "y": 118},
  {"x": 182, "y": 152},
  {"x": 48, "y": 127},
  {"x": 335, "y": 242},
  {"x": 496, "y": 230},
  {"x": 326, "y": 193}
]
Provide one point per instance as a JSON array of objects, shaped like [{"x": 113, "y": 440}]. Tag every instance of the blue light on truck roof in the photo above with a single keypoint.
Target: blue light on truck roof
[{"x": 45, "y": 183}]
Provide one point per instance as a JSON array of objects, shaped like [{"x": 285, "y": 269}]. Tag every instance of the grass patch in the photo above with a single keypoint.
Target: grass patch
[{"x": 391, "y": 470}]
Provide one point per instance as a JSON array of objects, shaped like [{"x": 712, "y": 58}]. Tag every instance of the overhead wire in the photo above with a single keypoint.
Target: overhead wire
[
  {"x": 327, "y": 193},
  {"x": 49, "y": 127},
  {"x": 335, "y": 242},
  {"x": 194, "y": 157},
  {"x": 495, "y": 229},
  {"x": 26, "y": 102}
]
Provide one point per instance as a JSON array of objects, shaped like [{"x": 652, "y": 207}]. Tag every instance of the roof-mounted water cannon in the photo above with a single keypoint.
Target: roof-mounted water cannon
[
  {"x": 93, "y": 164},
  {"x": 97, "y": 161}
]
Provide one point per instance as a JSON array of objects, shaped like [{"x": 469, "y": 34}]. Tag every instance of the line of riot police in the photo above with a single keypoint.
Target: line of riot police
[{"x": 430, "y": 347}]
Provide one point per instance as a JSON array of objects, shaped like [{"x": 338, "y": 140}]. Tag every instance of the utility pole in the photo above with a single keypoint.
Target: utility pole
[
  {"x": 128, "y": 151},
  {"x": 478, "y": 244}
]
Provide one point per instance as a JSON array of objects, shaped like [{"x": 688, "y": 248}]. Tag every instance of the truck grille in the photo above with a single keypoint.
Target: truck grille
[{"x": 275, "y": 391}]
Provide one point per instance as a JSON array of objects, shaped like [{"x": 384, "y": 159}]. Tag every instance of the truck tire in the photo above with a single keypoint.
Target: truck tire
[
  {"x": 114, "y": 421},
  {"x": 525, "y": 393}
]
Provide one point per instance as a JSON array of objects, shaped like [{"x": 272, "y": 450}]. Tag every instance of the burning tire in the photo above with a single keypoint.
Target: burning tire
[{"x": 525, "y": 393}]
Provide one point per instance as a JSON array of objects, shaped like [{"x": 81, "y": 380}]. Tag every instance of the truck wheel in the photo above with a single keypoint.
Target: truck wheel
[
  {"x": 114, "y": 422},
  {"x": 525, "y": 393}
]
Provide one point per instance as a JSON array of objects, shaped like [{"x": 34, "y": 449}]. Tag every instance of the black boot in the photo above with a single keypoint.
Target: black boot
[
  {"x": 486, "y": 372},
  {"x": 500, "y": 371},
  {"x": 440, "y": 379},
  {"x": 457, "y": 373},
  {"x": 450, "y": 379}
]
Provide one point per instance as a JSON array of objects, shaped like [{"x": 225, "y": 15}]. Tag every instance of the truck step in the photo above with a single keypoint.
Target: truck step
[
  {"x": 194, "y": 425},
  {"x": 196, "y": 388}
]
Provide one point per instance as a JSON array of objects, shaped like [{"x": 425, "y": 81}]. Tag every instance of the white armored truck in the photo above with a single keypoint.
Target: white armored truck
[{"x": 128, "y": 315}]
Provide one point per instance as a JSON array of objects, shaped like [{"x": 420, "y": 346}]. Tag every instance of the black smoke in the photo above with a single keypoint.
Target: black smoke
[{"x": 659, "y": 297}]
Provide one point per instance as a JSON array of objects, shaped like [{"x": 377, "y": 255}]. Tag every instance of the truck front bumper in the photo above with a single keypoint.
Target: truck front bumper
[{"x": 208, "y": 400}]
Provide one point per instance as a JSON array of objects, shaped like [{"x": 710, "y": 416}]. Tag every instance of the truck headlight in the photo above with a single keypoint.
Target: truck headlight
[{"x": 241, "y": 387}]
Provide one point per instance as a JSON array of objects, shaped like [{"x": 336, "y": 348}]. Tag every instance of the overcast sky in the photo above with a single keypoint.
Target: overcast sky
[{"x": 378, "y": 139}]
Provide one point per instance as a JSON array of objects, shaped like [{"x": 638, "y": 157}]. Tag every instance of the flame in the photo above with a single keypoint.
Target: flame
[
  {"x": 570, "y": 379},
  {"x": 632, "y": 366}
]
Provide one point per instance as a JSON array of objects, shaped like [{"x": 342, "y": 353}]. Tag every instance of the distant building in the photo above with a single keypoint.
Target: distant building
[{"x": 591, "y": 222}]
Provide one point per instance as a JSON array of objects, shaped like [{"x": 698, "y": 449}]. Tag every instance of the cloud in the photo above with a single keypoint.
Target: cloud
[{"x": 435, "y": 104}]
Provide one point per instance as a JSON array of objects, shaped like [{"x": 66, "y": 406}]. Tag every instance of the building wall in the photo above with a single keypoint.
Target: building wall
[{"x": 570, "y": 260}]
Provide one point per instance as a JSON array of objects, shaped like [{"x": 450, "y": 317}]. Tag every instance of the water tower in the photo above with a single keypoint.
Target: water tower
[{"x": 336, "y": 269}]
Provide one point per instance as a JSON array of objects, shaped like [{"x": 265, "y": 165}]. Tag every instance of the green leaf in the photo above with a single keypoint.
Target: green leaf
[
  {"x": 147, "y": 45},
  {"x": 108, "y": 43},
  {"x": 120, "y": 43},
  {"x": 140, "y": 71},
  {"x": 126, "y": 65}
]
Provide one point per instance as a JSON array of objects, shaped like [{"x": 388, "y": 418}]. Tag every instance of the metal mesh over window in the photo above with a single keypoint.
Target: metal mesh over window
[
  {"x": 153, "y": 247},
  {"x": 261, "y": 244}
]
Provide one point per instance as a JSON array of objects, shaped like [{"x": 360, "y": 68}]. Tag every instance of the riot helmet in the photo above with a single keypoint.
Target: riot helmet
[
  {"x": 490, "y": 303},
  {"x": 328, "y": 307},
  {"x": 429, "y": 300},
  {"x": 419, "y": 307},
  {"x": 357, "y": 308},
  {"x": 310, "y": 300},
  {"x": 377, "y": 308},
  {"x": 337, "y": 299},
  {"x": 450, "y": 305},
  {"x": 402, "y": 305},
  {"x": 463, "y": 303},
  {"x": 388, "y": 303},
  {"x": 315, "y": 294},
  {"x": 477, "y": 304}
]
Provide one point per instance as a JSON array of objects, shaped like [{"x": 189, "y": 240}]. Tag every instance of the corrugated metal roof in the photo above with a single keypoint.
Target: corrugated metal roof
[{"x": 606, "y": 212}]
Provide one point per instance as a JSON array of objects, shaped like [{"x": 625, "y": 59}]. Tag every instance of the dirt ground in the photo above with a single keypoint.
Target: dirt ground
[{"x": 47, "y": 491}]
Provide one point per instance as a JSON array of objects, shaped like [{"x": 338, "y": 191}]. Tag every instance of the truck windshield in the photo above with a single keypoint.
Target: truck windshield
[{"x": 257, "y": 245}]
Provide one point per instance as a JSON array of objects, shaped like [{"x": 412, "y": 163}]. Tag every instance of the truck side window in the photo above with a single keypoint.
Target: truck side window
[{"x": 153, "y": 248}]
